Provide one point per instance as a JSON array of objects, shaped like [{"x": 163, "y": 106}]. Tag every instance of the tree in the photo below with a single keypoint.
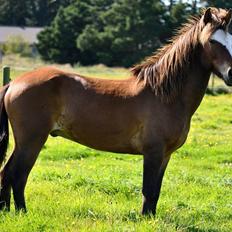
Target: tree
[
  {"x": 13, "y": 12},
  {"x": 218, "y": 3},
  {"x": 113, "y": 32},
  {"x": 58, "y": 41},
  {"x": 130, "y": 31},
  {"x": 30, "y": 12},
  {"x": 42, "y": 12}
]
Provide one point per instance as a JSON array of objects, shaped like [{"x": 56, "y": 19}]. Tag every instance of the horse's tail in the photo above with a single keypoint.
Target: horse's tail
[{"x": 4, "y": 129}]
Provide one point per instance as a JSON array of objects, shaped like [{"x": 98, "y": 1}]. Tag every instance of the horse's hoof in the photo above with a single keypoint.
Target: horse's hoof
[
  {"x": 3, "y": 206},
  {"x": 20, "y": 210},
  {"x": 148, "y": 212}
]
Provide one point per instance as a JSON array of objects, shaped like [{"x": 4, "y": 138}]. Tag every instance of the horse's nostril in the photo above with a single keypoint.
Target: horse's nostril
[{"x": 230, "y": 73}]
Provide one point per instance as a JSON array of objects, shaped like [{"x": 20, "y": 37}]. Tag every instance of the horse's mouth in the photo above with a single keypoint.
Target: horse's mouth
[{"x": 228, "y": 81}]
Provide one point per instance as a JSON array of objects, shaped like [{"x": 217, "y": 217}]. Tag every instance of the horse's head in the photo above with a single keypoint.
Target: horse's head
[{"x": 217, "y": 42}]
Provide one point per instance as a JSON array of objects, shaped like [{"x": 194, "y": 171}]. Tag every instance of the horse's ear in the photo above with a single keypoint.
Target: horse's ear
[
  {"x": 228, "y": 17},
  {"x": 207, "y": 16}
]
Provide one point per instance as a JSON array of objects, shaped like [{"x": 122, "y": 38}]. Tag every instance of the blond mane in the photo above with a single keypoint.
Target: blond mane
[{"x": 165, "y": 70}]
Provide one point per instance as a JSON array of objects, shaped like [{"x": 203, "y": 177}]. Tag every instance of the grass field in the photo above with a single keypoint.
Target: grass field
[{"x": 74, "y": 188}]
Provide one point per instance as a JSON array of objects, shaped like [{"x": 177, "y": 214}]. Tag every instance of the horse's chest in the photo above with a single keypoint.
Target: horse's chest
[{"x": 177, "y": 136}]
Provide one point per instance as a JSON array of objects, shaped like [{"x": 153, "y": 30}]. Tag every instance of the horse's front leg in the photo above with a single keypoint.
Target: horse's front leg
[{"x": 154, "y": 166}]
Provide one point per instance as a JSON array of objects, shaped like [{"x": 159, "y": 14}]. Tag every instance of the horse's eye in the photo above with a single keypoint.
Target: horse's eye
[{"x": 212, "y": 41}]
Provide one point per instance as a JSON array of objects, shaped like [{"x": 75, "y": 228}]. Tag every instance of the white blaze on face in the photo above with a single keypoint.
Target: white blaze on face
[{"x": 223, "y": 38}]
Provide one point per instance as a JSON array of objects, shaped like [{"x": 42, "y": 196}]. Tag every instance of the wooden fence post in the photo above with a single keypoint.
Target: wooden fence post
[{"x": 5, "y": 75}]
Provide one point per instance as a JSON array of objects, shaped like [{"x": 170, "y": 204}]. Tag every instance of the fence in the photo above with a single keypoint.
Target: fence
[{"x": 5, "y": 75}]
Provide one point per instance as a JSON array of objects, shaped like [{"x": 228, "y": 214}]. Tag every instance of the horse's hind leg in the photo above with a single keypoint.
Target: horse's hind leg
[
  {"x": 5, "y": 196},
  {"x": 5, "y": 187},
  {"x": 17, "y": 169},
  {"x": 24, "y": 157}
]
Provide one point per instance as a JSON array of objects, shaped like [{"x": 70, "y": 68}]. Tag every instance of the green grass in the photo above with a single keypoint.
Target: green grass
[
  {"x": 74, "y": 188},
  {"x": 21, "y": 65}
]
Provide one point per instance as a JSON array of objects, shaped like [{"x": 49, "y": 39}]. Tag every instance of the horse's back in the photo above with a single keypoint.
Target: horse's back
[{"x": 97, "y": 113}]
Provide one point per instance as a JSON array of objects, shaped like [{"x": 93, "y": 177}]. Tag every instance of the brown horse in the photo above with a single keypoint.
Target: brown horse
[{"x": 148, "y": 113}]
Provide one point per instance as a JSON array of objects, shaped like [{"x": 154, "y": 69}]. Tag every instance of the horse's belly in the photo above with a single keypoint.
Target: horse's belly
[{"x": 106, "y": 137}]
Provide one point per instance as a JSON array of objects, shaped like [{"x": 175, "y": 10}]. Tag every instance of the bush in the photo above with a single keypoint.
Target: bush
[
  {"x": 16, "y": 45},
  {"x": 116, "y": 33}
]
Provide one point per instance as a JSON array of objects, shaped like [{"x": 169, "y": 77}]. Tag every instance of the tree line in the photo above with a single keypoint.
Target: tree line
[{"x": 112, "y": 32}]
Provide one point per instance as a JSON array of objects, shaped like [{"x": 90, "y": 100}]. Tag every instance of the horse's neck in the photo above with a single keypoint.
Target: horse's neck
[{"x": 195, "y": 86}]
